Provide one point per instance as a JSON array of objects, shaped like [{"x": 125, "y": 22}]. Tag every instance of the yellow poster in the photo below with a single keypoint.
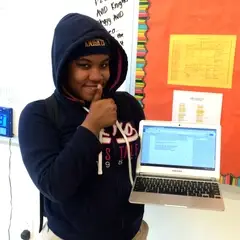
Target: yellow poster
[{"x": 201, "y": 60}]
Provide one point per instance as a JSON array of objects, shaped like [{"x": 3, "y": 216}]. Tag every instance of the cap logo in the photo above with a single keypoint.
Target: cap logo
[{"x": 95, "y": 43}]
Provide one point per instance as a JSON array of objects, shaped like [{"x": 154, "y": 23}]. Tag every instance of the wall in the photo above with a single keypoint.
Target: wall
[
  {"x": 27, "y": 27},
  {"x": 24, "y": 195},
  {"x": 159, "y": 20}
]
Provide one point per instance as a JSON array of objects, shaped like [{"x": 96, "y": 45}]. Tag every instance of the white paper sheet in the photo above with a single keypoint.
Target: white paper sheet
[{"x": 197, "y": 107}]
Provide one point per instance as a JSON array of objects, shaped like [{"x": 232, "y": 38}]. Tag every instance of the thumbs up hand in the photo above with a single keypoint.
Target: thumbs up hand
[
  {"x": 102, "y": 113},
  {"x": 98, "y": 94}
]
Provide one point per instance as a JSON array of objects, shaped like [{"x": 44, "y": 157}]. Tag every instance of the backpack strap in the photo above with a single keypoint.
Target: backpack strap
[{"x": 52, "y": 109}]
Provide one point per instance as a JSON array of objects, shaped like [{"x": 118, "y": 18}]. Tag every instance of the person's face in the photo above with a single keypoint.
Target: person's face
[{"x": 86, "y": 73}]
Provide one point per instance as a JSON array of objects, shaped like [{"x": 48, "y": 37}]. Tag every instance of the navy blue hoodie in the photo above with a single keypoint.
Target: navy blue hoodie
[{"x": 79, "y": 203}]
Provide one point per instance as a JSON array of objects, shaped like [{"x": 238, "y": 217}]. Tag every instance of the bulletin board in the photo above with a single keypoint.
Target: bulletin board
[{"x": 161, "y": 22}]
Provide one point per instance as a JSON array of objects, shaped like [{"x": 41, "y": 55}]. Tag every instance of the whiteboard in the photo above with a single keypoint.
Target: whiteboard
[{"x": 27, "y": 29}]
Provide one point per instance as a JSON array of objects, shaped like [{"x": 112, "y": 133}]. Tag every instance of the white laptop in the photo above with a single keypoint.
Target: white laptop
[{"x": 179, "y": 165}]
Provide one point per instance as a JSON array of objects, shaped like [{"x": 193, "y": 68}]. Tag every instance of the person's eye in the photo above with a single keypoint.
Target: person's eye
[
  {"x": 83, "y": 65},
  {"x": 104, "y": 65}
]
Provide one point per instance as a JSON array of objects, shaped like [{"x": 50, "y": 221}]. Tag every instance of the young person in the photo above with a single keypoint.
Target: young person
[{"x": 85, "y": 169}]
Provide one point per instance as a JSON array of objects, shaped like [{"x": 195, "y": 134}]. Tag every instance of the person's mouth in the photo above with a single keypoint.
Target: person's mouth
[
  {"x": 91, "y": 89},
  {"x": 91, "y": 86}
]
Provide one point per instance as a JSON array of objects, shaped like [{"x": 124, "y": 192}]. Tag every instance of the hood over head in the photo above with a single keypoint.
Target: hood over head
[{"x": 70, "y": 35}]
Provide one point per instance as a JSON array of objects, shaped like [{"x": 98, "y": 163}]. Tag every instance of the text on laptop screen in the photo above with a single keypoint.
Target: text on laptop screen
[{"x": 179, "y": 147}]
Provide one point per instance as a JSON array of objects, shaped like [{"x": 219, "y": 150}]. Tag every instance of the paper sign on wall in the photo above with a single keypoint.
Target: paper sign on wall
[
  {"x": 201, "y": 60},
  {"x": 112, "y": 15},
  {"x": 197, "y": 107}
]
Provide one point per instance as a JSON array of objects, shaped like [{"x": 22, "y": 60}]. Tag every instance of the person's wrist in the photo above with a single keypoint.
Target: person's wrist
[{"x": 91, "y": 127}]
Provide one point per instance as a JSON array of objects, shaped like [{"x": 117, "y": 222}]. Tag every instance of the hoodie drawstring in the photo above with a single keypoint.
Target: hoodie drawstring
[
  {"x": 100, "y": 171},
  {"x": 128, "y": 152}
]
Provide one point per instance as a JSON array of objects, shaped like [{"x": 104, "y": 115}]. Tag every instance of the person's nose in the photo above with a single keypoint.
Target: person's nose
[{"x": 96, "y": 75}]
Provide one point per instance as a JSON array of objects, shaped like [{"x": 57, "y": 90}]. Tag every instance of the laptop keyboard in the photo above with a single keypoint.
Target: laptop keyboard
[{"x": 182, "y": 187}]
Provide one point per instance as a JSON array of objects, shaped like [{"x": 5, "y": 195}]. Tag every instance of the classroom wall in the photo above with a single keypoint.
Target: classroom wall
[
  {"x": 207, "y": 65},
  {"x": 24, "y": 195}
]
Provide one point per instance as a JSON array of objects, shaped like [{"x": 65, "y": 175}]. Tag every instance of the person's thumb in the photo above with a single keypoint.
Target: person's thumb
[{"x": 98, "y": 94}]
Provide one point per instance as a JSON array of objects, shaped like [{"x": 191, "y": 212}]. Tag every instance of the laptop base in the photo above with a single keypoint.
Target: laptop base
[
  {"x": 177, "y": 201},
  {"x": 172, "y": 200}
]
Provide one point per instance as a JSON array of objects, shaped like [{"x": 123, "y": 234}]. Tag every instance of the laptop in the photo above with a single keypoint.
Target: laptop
[{"x": 179, "y": 165}]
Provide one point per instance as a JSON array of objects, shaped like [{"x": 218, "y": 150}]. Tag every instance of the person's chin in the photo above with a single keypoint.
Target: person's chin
[{"x": 88, "y": 97}]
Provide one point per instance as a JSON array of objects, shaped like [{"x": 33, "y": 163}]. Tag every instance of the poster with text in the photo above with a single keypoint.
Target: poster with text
[{"x": 192, "y": 45}]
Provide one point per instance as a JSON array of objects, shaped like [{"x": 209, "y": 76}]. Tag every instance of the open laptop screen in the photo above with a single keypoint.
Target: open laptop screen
[{"x": 179, "y": 147}]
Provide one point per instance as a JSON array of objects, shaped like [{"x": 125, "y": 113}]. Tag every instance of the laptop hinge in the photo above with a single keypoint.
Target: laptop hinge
[{"x": 178, "y": 176}]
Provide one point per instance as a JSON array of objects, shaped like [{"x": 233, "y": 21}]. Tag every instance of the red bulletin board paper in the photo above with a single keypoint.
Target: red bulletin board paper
[{"x": 190, "y": 17}]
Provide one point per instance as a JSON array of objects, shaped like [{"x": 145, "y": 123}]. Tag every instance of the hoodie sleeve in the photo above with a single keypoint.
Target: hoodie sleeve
[
  {"x": 131, "y": 107},
  {"x": 57, "y": 173},
  {"x": 137, "y": 109}
]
